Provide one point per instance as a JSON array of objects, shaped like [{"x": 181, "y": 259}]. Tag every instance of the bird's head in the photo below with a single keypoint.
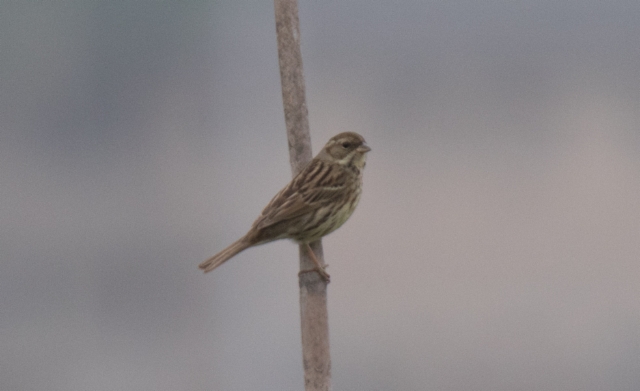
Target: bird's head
[{"x": 346, "y": 148}]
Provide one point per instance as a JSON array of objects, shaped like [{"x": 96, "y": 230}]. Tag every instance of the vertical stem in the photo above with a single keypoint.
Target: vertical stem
[
  {"x": 293, "y": 92},
  {"x": 313, "y": 290},
  {"x": 314, "y": 321}
]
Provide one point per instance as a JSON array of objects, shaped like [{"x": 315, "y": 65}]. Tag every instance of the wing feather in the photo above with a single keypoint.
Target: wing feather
[{"x": 302, "y": 196}]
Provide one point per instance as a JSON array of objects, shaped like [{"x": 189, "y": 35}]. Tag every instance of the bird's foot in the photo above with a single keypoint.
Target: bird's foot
[{"x": 320, "y": 270}]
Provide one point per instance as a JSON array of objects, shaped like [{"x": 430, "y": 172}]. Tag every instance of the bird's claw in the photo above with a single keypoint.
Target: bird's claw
[{"x": 320, "y": 270}]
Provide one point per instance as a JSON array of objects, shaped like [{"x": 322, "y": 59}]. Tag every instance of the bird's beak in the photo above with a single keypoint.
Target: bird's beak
[{"x": 363, "y": 148}]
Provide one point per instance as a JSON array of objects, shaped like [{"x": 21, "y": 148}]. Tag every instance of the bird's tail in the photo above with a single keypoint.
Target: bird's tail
[{"x": 224, "y": 255}]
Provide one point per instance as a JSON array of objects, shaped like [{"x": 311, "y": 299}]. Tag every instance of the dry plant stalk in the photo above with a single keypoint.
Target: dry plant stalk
[{"x": 313, "y": 290}]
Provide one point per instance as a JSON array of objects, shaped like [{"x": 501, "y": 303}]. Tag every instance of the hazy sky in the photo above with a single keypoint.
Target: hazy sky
[{"x": 496, "y": 245}]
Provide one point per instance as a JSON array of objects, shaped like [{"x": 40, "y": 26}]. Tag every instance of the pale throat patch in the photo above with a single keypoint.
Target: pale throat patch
[{"x": 358, "y": 161}]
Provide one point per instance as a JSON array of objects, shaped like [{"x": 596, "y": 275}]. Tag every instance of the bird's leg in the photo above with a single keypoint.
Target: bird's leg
[{"x": 319, "y": 268}]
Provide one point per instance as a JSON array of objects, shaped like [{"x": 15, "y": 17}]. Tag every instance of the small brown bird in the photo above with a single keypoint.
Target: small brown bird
[{"x": 315, "y": 203}]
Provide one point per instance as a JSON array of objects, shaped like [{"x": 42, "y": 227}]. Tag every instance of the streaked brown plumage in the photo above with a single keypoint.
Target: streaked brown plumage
[{"x": 315, "y": 203}]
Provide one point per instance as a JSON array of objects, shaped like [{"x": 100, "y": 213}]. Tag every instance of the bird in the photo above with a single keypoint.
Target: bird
[{"x": 315, "y": 203}]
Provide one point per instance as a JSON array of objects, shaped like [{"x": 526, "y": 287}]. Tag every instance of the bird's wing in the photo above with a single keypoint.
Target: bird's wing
[
  {"x": 299, "y": 198},
  {"x": 283, "y": 209}
]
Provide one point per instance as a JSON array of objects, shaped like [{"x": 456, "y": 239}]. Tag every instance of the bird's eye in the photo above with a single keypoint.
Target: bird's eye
[{"x": 346, "y": 145}]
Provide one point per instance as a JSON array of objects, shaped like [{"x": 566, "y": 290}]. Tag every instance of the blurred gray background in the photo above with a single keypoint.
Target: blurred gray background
[{"x": 497, "y": 242}]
